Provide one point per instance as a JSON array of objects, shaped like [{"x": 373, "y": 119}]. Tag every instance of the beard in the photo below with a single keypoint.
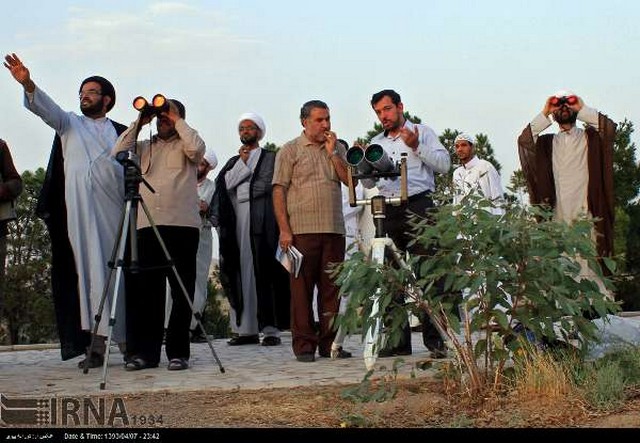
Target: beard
[
  {"x": 249, "y": 139},
  {"x": 561, "y": 117},
  {"x": 91, "y": 109}
]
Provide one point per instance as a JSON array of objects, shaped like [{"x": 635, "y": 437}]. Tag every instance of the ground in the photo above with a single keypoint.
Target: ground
[{"x": 417, "y": 403}]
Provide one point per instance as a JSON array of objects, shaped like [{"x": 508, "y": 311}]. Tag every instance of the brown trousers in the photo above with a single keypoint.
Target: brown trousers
[{"x": 318, "y": 250}]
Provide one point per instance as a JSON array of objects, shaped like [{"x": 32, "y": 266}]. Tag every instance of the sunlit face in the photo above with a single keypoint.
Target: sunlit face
[
  {"x": 92, "y": 102},
  {"x": 317, "y": 124},
  {"x": 389, "y": 114},
  {"x": 464, "y": 151}
]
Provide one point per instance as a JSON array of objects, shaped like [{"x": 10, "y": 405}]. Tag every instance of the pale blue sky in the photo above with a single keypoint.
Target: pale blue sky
[{"x": 469, "y": 65}]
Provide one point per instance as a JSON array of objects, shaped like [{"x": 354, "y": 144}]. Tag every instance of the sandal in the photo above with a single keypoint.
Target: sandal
[
  {"x": 138, "y": 363},
  {"x": 178, "y": 364}
]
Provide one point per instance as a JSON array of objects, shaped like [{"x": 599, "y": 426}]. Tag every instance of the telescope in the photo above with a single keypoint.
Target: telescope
[{"x": 158, "y": 105}]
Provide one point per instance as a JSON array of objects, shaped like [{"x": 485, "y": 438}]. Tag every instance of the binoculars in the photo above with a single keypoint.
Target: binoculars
[
  {"x": 559, "y": 101},
  {"x": 369, "y": 160},
  {"x": 158, "y": 105}
]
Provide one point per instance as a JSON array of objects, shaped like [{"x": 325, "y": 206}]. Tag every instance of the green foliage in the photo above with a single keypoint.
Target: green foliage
[
  {"x": 214, "y": 319},
  {"x": 378, "y": 391},
  {"x": 520, "y": 268},
  {"x": 26, "y": 308}
]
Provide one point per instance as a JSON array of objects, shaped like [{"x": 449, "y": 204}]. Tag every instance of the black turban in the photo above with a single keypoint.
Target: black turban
[{"x": 107, "y": 88}]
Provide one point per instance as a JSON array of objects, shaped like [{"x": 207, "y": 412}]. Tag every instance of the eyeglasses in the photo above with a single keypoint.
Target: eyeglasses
[
  {"x": 90, "y": 92},
  {"x": 559, "y": 101},
  {"x": 247, "y": 128}
]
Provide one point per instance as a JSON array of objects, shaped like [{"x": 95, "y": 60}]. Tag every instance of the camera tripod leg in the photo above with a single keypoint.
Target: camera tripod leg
[
  {"x": 116, "y": 263},
  {"x": 180, "y": 282},
  {"x": 374, "y": 337},
  {"x": 113, "y": 262}
]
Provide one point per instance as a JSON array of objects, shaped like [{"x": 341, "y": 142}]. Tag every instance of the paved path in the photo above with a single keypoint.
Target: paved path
[{"x": 38, "y": 372}]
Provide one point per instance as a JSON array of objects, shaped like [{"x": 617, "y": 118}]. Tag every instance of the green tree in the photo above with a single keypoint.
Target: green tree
[
  {"x": 27, "y": 309},
  {"x": 519, "y": 272}
]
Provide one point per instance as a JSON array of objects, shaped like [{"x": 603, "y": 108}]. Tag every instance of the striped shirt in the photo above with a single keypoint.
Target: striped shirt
[{"x": 312, "y": 187}]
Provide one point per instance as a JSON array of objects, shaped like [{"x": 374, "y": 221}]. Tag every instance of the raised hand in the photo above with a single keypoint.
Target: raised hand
[
  {"x": 410, "y": 137},
  {"x": 19, "y": 71}
]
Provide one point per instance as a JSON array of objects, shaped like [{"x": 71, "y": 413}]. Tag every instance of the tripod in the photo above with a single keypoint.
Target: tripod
[
  {"x": 380, "y": 245},
  {"x": 128, "y": 224}
]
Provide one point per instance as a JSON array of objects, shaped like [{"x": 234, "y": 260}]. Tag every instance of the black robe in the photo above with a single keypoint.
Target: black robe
[
  {"x": 272, "y": 280},
  {"x": 52, "y": 210}
]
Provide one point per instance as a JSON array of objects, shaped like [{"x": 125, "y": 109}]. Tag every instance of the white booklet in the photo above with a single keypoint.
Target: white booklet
[{"x": 291, "y": 259}]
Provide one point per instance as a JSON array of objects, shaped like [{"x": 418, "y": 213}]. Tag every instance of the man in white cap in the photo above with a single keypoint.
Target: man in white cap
[
  {"x": 475, "y": 175},
  {"x": 572, "y": 171},
  {"x": 255, "y": 283}
]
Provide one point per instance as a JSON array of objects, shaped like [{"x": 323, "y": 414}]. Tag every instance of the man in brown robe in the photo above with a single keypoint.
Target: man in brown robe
[{"x": 572, "y": 171}]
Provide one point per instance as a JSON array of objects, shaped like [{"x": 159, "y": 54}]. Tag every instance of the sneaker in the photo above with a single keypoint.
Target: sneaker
[{"x": 340, "y": 353}]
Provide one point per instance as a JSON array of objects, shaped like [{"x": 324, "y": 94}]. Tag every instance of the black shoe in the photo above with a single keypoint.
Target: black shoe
[
  {"x": 239, "y": 340},
  {"x": 271, "y": 341},
  {"x": 95, "y": 361},
  {"x": 198, "y": 337},
  {"x": 306, "y": 358},
  {"x": 393, "y": 352},
  {"x": 437, "y": 348}
]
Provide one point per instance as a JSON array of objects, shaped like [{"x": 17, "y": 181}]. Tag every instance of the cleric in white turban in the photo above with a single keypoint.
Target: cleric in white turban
[{"x": 257, "y": 120}]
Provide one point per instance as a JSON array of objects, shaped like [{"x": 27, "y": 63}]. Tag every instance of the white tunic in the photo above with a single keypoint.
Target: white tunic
[
  {"x": 481, "y": 177},
  {"x": 94, "y": 195}
]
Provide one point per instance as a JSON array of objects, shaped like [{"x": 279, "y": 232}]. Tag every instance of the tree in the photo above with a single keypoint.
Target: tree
[
  {"x": 27, "y": 309},
  {"x": 521, "y": 272}
]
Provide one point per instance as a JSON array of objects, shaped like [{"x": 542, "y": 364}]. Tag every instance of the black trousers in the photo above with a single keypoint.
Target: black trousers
[
  {"x": 146, "y": 292},
  {"x": 397, "y": 229}
]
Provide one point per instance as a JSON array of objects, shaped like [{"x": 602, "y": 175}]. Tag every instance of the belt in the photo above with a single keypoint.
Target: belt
[{"x": 419, "y": 195}]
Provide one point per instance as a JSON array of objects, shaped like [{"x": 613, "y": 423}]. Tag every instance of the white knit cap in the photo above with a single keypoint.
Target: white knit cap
[
  {"x": 211, "y": 158},
  {"x": 257, "y": 120},
  {"x": 465, "y": 137}
]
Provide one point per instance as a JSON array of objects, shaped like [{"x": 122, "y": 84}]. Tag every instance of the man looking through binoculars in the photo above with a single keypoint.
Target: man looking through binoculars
[{"x": 169, "y": 163}]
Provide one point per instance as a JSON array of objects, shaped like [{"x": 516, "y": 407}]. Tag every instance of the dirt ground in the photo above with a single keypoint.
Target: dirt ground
[{"x": 417, "y": 404}]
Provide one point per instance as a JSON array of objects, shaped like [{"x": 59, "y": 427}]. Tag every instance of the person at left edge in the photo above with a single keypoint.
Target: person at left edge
[
  {"x": 81, "y": 203},
  {"x": 169, "y": 163},
  {"x": 10, "y": 189}
]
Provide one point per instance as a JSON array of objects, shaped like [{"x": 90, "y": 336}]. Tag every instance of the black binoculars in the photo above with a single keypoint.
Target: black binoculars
[
  {"x": 158, "y": 105},
  {"x": 559, "y": 101}
]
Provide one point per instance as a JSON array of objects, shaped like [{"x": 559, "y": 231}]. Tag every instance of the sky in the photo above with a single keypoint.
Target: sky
[{"x": 475, "y": 66}]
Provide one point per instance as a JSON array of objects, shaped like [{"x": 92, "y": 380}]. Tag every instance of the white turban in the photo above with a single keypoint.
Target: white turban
[
  {"x": 465, "y": 137},
  {"x": 257, "y": 120},
  {"x": 211, "y": 158},
  {"x": 563, "y": 93}
]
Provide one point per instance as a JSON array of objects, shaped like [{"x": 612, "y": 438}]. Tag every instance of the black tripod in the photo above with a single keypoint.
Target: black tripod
[{"x": 128, "y": 223}]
